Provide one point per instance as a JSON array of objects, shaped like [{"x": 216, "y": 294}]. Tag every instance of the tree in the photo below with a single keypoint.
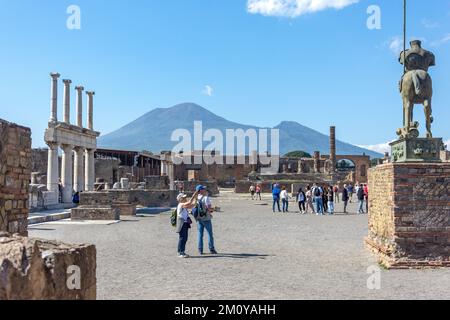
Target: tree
[{"x": 297, "y": 154}]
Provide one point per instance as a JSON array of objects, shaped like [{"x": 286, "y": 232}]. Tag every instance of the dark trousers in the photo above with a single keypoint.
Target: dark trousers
[
  {"x": 277, "y": 203},
  {"x": 183, "y": 238},
  {"x": 301, "y": 206}
]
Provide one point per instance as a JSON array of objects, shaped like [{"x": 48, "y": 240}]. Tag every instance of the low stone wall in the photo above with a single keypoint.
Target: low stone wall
[
  {"x": 409, "y": 214},
  {"x": 144, "y": 198},
  {"x": 35, "y": 269},
  {"x": 15, "y": 175},
  {"x": 157, "y": 183},
  {"x": 95, "y": 213},
  {"x": 212, "y": 187}
]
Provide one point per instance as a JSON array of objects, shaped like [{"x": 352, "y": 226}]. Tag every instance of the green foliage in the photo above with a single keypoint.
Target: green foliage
[{"x": 297, "y": 154}]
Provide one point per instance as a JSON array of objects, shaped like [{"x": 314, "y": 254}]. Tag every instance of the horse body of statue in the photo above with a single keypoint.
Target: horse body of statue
[{"x": 416, "y": 87}]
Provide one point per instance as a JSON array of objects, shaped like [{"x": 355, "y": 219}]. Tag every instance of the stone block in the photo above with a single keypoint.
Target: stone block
[
  {"x": 125, "y": 209},
  {"x": 35, "y": 269},
  {"x": 410, "y": 230},
  {"x": 95, "y": 213}
]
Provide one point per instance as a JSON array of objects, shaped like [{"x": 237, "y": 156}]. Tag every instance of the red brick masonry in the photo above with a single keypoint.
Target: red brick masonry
[{"x": 409, "y": 214}]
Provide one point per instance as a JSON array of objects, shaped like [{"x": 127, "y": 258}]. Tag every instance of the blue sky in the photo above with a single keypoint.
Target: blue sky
[{"x": 256, "y": 66}]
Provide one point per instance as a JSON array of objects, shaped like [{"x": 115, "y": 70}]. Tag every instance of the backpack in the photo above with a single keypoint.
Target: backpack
[
  {"x": 174, "y": 217},
  {"x": 317, "y": 192}
]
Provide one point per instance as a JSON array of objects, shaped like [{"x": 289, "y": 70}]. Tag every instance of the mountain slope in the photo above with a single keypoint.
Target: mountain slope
[{"x": 153, "y": 131}]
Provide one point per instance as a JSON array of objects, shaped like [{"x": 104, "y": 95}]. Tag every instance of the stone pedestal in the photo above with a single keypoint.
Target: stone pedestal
[
  {"x": 409, "y": 214},
  {"x": 35, "y": 269},
  {"x": 125, "y": 209},
  {"x": 109, "y": 213},
  {"x": 417, "y": 150}
]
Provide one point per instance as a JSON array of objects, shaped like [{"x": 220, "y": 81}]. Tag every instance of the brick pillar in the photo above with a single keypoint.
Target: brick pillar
[
  {"x": 316, "y": 162},
  {"x": 333, "y": 148}
]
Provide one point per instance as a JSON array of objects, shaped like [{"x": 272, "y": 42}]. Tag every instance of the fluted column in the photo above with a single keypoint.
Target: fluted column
[
  {"x": 90, "y": 103},
  {"x": 89, "y": 170},
  {"x": 78, "y": 167},
  {"x": 67, "y": 100},
  {"x": 67, "y": 173},
  {"x": 79, "y": 106},
  {"x": 54, "y": 97},
  {"x": 52, "y": 167}
]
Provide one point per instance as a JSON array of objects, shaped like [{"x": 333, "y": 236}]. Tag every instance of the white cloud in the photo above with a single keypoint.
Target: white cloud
[
  {"x": 396, "y": 45},
  {"x": 294, "y": 8},
  {"x": 429, "y": 24},
  {"x": 380, "y": 148},
  {"x": 445, "y": 39},
  {"x": 447, "y": 143},
  {"x": 208, "y": 90}
]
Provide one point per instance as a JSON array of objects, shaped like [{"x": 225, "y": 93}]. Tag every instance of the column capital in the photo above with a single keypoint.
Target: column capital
[
  {"x": 79, "y": 88},
  {"x": 67, "y": 147},
  {"x": 90, "y": 93},
  {"x": 55, "y": 75},
  {"x": 67, "y": 81},
  {"x": 52, "y": 145}
]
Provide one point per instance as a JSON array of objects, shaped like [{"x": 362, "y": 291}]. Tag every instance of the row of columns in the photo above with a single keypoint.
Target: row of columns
[
  {"x": 66, "y": 98},
  {"x": 78, "y": 163}
]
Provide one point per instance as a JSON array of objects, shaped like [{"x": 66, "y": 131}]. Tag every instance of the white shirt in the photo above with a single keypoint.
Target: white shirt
[
  {"x": 182, "y": 212},
  {"x": 284, "y": 195}
]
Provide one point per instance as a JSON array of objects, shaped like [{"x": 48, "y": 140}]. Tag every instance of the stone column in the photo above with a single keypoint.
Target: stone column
[
  {"x": 78, "y": 175},
  {"x": 79, "y": 106},
  {"x": 54, "y": 97},
  {"x": 333, "y": 149},
  {"x": 316, "y": 162},
  {"x": 52, "y": 167},
  {"x": 67, "y": 100},
  {"x": 90, "y": 103},
  {"x": 67, "y": 173},
  {"x": 171, "y": 174},
  {"x": 89, "y": 170}
]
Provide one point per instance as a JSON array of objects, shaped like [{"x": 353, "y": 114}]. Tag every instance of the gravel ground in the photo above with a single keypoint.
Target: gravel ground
[{"x": 261, "y": 256}]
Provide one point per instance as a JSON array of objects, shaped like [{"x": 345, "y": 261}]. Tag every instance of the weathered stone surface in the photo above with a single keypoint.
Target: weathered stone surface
[
  {"x": 409, "y": 214},
  {"x": 144, "y": 198},
  {"x": 125, "y": 209},
  {"x": 15, "y": 173},
  {"x": 35, "y": 269},
  {"x": 95, "y": 213}
]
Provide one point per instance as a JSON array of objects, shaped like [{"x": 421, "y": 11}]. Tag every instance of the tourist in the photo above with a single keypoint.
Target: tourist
[
  {"x": 258, "y": 192},
  {"x": 325, "y": 198},
  {"x": 276, "y": 197},
  {"x": 309, "y": 200},
  {"x": 204, "y": 219},
  {"x": 301, "y": 199},
  {"x": 336, "y": 193},
  {"x": 350, "y": 192},
  {"x": 366, "y": 196},
  {"x": 345, "y": 197},
  {"x": 183, "y": 221},
  {"x": 284, "y": 195},
  {"x": 76, "y": 198},
  {"x": 252, "y": 191},
  {"x": 330, "y": 196},
  {"x": 360, "y": 195},
  {"x": 318, "y": 200}
]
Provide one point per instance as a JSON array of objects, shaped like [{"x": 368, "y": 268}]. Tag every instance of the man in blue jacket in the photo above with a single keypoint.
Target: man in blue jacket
[{"x": 276, "y": 190}]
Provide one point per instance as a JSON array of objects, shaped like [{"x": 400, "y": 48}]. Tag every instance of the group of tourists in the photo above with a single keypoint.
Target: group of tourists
[
  {"x": 255, "y": 192},
  {"x": 320, "y": 199},
  {"x": 200, "y": 207}
]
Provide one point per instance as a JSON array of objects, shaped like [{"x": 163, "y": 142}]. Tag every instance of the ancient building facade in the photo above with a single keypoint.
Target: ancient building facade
[
  {"x": 15, "y": 173},
  {"x": 77, "y": 142}
]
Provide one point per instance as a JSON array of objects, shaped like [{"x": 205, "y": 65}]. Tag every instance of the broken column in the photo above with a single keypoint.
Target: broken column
[
  {"x": 89, "y": 170},
  {"x": 90, "y": 104},
  {"x": 54, "y": 97},
  {"x": 333, "y": 149},
  {"x": 316, "y": 161},
  {"x": 67, "y": 100},
  {"x": 79, "y": 102},
  {"x": 78, "y": 168}
]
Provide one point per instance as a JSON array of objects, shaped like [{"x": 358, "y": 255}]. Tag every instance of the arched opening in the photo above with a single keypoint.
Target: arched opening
[{"x": 345, "y": 165}]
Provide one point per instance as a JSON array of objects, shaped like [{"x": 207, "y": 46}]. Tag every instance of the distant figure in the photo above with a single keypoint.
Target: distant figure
[
  {"x": 258, "y": 192},
  {"x": 301, "y": 199},
  {"x": 345, "y": 197},
  {"x": 360, "y": 195},
  {"x": 276, "y": 191},
  {"x": 366, "y": 196},
  {"x": 330, "y": 196},
  {"x": 318, "y": 200},
  {"x": 350, "y": 192},
  {"x": 76, "y": 198},
  {"x": 285, "y": 199},
  {"x": 336, "y": 193},
  {"x": 325, "y": 198},
  {"x": 309, "y": 200},
  {"x": 60, "y": 188},
  {"x": 252, "y": 191}
]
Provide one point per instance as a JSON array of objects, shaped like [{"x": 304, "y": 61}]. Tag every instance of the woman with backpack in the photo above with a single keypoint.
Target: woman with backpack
[
  {"x": 301, "y": 198},
  {"x": 183, "y": 223}
]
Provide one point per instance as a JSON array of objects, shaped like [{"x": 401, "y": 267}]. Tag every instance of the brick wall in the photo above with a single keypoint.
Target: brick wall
[
  {"x": 409, "y": 214},
  {"x": 15, "y": 174}
]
